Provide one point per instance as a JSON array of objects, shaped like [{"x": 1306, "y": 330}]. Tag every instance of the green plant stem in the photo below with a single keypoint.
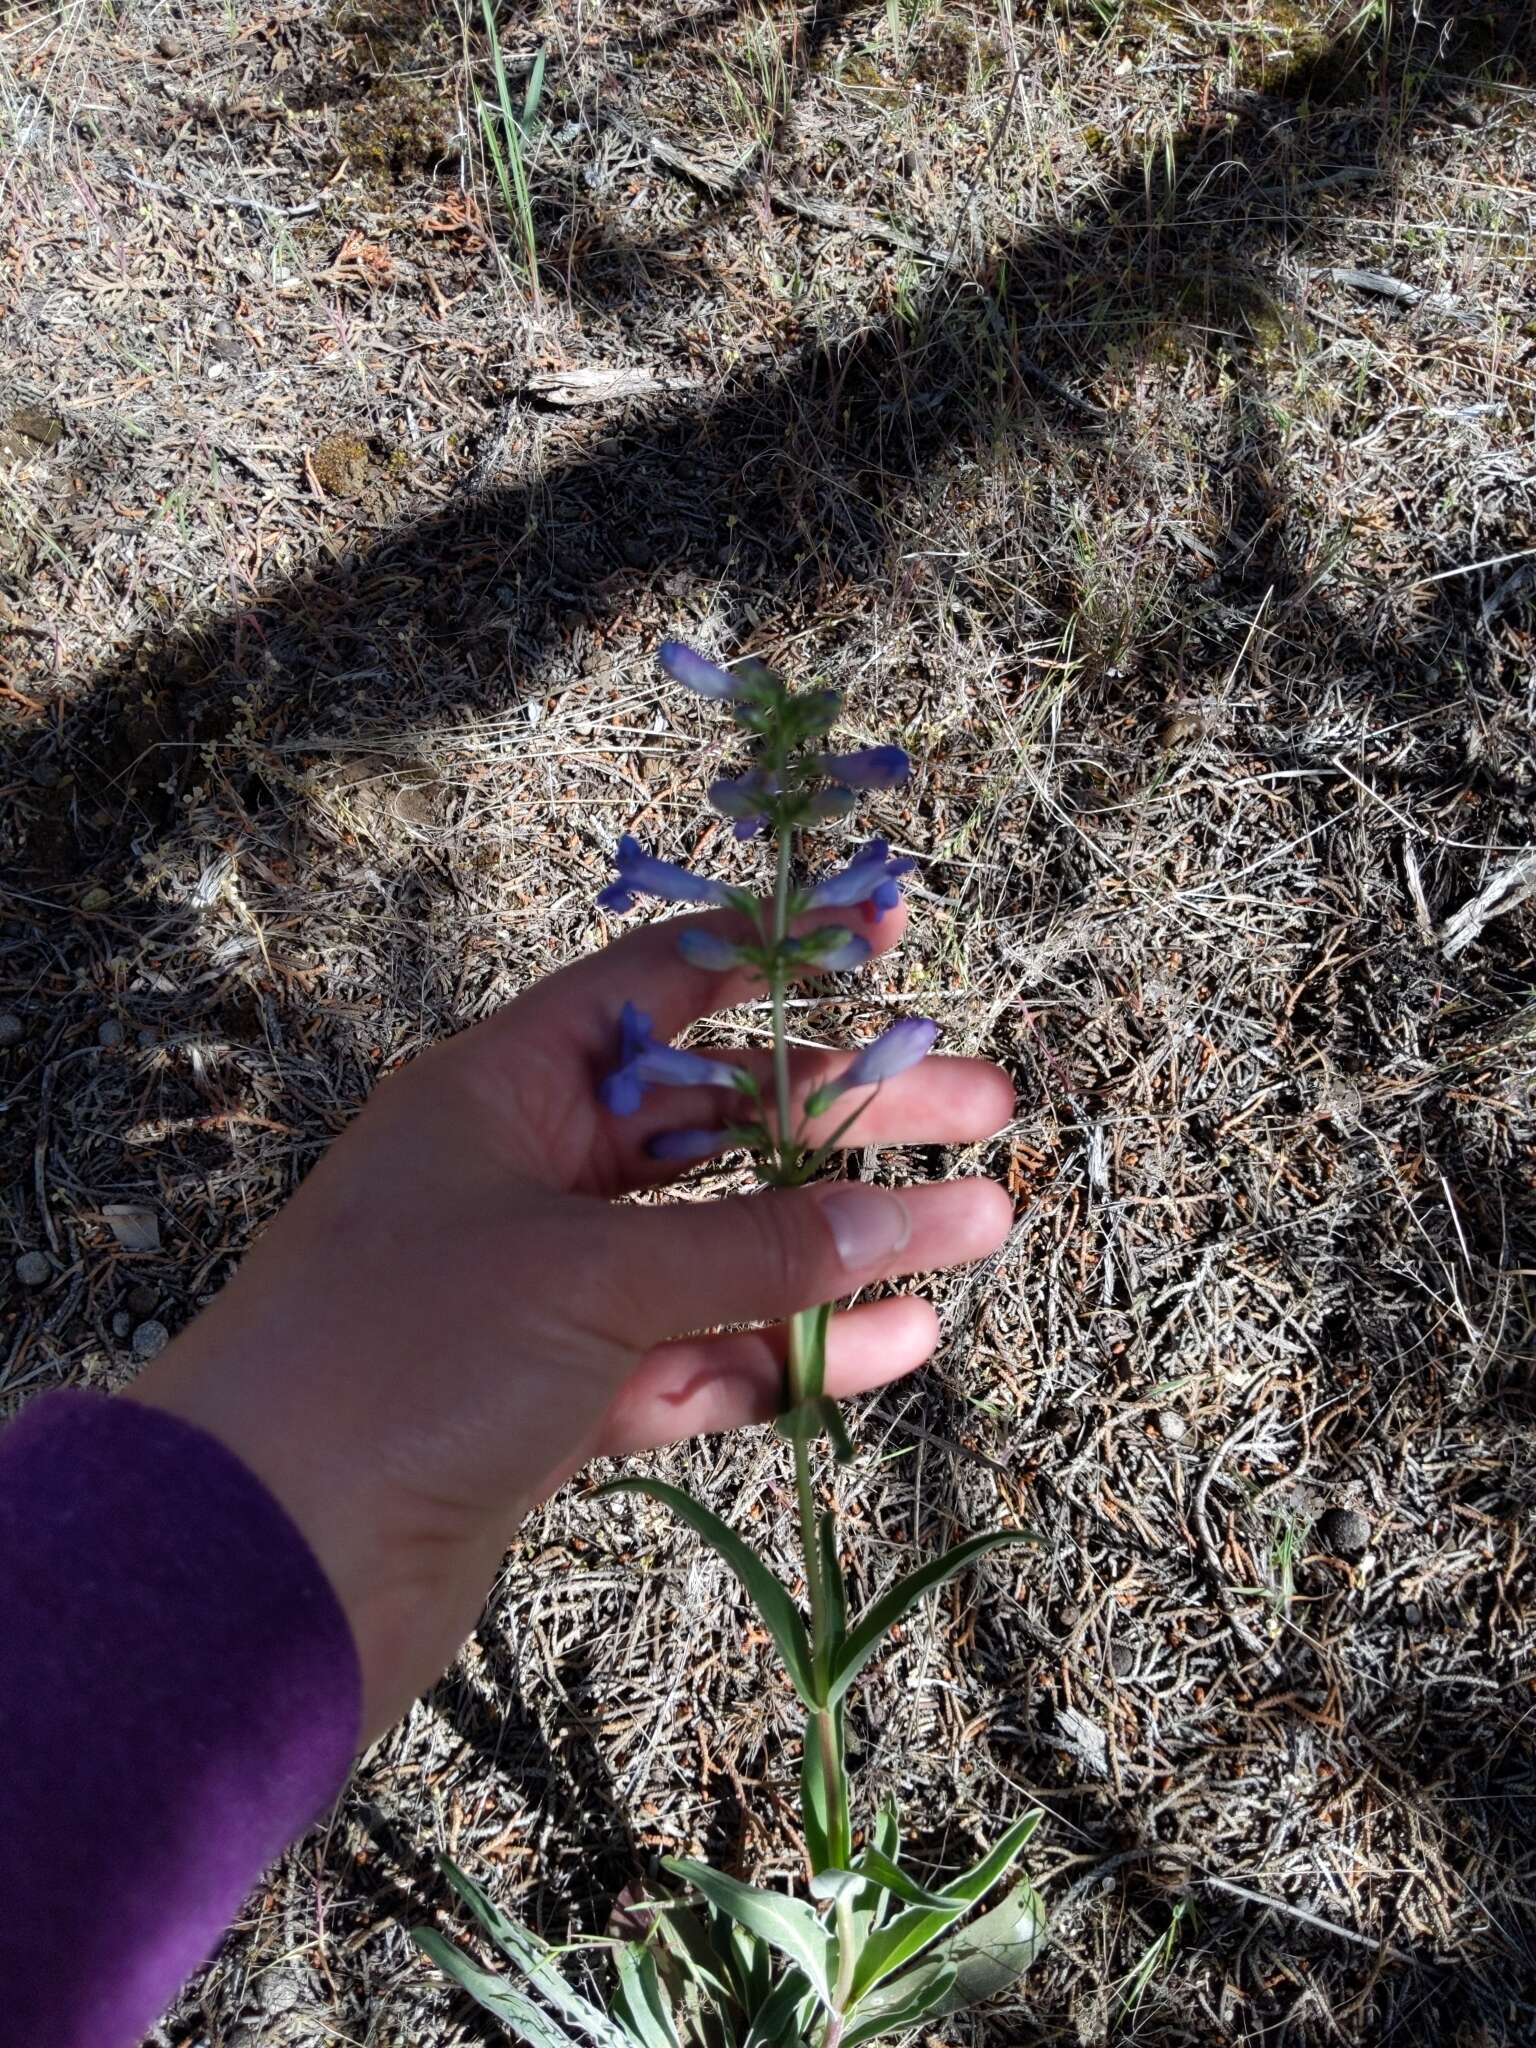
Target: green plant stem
[{"x": 780, "y": 1034}]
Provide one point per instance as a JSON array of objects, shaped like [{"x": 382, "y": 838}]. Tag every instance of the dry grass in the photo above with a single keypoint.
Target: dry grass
[{"x": 1013, "y": 371}]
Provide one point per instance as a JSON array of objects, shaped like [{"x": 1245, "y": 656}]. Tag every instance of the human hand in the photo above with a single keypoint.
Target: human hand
[{"x": 454, "y": 1312}]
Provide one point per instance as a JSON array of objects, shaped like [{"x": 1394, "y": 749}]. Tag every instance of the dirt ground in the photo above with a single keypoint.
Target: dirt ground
[{"x": 1131, "y": 408}]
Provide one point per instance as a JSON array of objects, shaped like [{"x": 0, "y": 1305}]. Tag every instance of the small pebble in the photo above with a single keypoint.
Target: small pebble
[
  {"x": 1412, "y": 1613},
  {"x": 122, "y": 1322},
  {"x": 1122, "y": 1660},
  {"x": 150, "y": 1339},
  {"x": 1173, "y": 1425},
  {"x": 143, "y": 1300},
  {"x": 109, "y": 1032},
  {"x": 1344, "y": 1532},
  {"x": 34, "y": 1269},
  {"x": 12, "y": 1029}
]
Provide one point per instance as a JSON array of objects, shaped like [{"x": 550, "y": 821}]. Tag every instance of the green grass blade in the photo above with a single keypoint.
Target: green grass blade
[
  {"x": 883, "y": 1614},
  {"x": 767, "y": 1593}
]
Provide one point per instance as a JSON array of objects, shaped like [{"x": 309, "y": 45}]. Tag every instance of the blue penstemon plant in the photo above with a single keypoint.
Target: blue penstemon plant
[{"x": 872, "y": 1951}]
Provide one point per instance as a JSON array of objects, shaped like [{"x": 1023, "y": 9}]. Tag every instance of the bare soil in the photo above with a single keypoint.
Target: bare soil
[{"x": 1131, "y": 408}]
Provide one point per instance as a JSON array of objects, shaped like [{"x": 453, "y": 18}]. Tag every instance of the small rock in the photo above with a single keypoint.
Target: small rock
[
  {"x": 1344, "y": 1532},
  {"x": 122, "y": 1322},
  {"x": 150, "y": 1339},
  {"x": 34, "y": 1269},
  {"x": 170, "y": 45},
  {"x": 143, "y": 1300},
  {"x": 12, "y": 1029},
  {"x": 1172, "y": 1424},
  {"x": 1412, "y": 1613},
  {"x": 109, "y": 1032},
  {"x": 1122, "y": 1660},
  {"x": 96, "y": 899}
]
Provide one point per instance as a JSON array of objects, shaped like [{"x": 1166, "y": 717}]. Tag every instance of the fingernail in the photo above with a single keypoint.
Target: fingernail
[{"x": 867, "y": 1224}]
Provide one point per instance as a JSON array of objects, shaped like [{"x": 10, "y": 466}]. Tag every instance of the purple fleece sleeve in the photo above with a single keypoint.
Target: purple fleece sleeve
[{"x": 179, "y": 1698}]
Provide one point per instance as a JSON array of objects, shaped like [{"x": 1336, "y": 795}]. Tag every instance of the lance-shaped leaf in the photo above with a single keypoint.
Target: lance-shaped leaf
[
  {"x": 534, "y": 1959},
  {"x": 696, "y": 1957},
  {"x": 640, "y": 2001},
  {"x": 811, "y": 1419},
  {"x": 783, "y": 2017},
  {"x": 768, "y": 1594},
  {"x": 991, "y": 1953},
  {"x": 903, "y": 2003},
  {"x": 824, "y": 1805},
  {"x": 911, "y": 1931},
  {"x": 786, "y": 1924},
  {"x": 529, "y": 2022},
  {"x": 878, "y": 1869},
  {"x": 882, "y": 1615}
]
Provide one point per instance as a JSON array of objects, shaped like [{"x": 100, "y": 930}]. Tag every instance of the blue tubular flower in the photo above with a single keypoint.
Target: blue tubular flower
[
  {"x": 683, "y": 1146},
  {"x": 869, "y": 768},
  {"x": 881, "y": 1060},
  {"x": 640, "y": 874},
  {"x": 709, "y": 951},
  {"x": 647, "y": 1062},
  {"x": 872, "y": 876},
  {"x": 690, "y": 669}
]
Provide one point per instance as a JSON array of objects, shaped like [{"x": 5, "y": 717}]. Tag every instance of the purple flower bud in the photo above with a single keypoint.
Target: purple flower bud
[
  {"x": 872, "y": 876},
  {"x": 640, "y": 874},
  {"x": 832, "y": 949},
  {"x": 684, "y": 666},
  {"x": 647, "y": 1062},
  {"x": 829, "y": 804},
  {"x": 902, "y": 1046},
  {"x": 869, "y": 768},
  {"x": 683, "y": 1146},
  {"x": 709, "y": 951},
  {"x": 742, "y": 796}
]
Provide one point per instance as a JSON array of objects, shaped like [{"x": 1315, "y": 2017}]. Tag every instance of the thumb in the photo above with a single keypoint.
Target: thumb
[{"x": 754, "y": 1259}]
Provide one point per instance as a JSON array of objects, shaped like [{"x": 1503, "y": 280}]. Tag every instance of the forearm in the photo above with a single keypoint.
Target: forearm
[{"x": 180, "y": 1699}]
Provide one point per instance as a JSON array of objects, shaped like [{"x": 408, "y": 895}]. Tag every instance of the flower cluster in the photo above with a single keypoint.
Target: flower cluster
[{"x": 791, "y": 783}]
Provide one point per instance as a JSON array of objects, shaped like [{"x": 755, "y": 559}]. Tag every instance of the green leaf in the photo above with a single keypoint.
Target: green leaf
[
  {"x": 910, "y": 1932},
  {"x": 890, "y": 1877},
  {"x": 812, "y": 1419},
  {"x": 768, "y": 1594},
  {"x": 883, "y": 1614},
  {"x": 782, "y": 2018},
  {"x": 994, "y": 1951},
  {"x": 682, "y": 1932},
  {"x": 786, "y": 1924},
  {"x": 534, "y": 1958},
  {"x": 529, "y": 2021},
  {"x": 823, "y": 1806},
  {"x": 904, "y": 2003},
  {"x": 534, "y": 92},
  {"x": 640, "y": 2001},
  {"x": 831, "y": 1884}
]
